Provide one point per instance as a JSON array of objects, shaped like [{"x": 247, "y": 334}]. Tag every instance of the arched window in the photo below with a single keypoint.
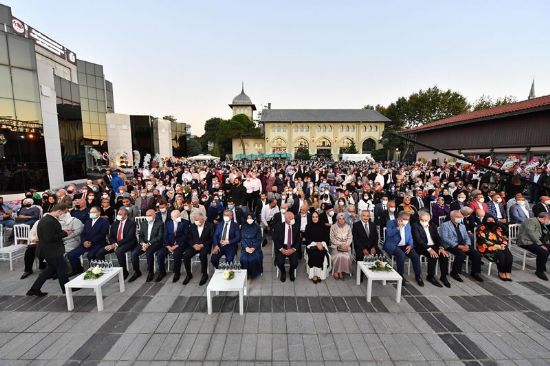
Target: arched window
[
  {"x": 375, "y": 128},
  {"x": 278, "y": 145},
  {"x": 369, "y": 145}
]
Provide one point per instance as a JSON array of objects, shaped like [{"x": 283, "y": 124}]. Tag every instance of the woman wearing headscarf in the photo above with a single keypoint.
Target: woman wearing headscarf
[
  {"x": 340, "y": 242},
  {"x": 317, "y": 258},
  {"x": 251, "y": 247}
]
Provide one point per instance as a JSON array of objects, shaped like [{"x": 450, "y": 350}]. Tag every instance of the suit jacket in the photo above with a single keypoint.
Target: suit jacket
[
  {"x": 159, "y": 216},
  {"x": 517, "y": 215},
  {"x": 361, "y": 240},
  {"x": 421, "y": 239},
  {"x": 393, "y": 236},
  {"x": 157, "y": 233},
  {"x": 133, "y": 211},
  {"x": 277, "y": 218},
  {"x": 455, "y": 205},
  {"x": 449, "y": 238},
  {"x": 279, "y": 236},
  {"x": 96, "y": 234},
  {"x": 415, "y": 202},
  {"x": 493, "y": 211},
  {"x": 532, "y": 232},
  {"x": 378, "y": 213},
  {"x": 474, "y": 206},
  {"x": 128, "y": 233},
  {"x": 206, "y": 238},
  {"x": 540, "y": 207},
  {"x": 234, "y": 236},
  {"x": 179, "y": 237},
  {"x": 50, "y": 238}
]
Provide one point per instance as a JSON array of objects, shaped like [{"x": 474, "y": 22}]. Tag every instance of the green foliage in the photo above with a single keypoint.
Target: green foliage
[
  {"x": 170, "y": 118},
  {"x": 193, "y": 147},
  {"x": 302, "y": 153},
  {"x": 222, "y": 132},
  {"x": 379, "y": 155},
  {"x": 352, "y": 149},
  {"x": 486, "y": 101},
  {"x": 211, "y": 128},
  {"x": 216, "y": 151}
]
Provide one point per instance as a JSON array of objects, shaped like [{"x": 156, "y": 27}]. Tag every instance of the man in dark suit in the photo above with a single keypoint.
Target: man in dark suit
[
  {"x": 163, "y": 214},
  {"x": 459, "y": 203},
  {"x": 428, "y": 243},
  {"x": 279, "y": 217},
  {"x": 92, "y": 240},
  {"x": 542, "y": 206},
  {"x": 151, "y": 238},
  {"x": 122, "y": 239},
  {"x": 238, "y": 214},
  {"x": 175, "y": 242},
  {"x": 51, "y": 248},
  {"x": 419, "y": 201},
  {"x": 238, "y": 193},
  {"x": 365, "y": 237},
  {"x": 199, "y": 239},
  {"x": 107, "y": 178},
  {"x": 286, "y": 239},
  {"x": 538, "y": 177},
  {"x": 226, "y": 240},
  {"x": 380, "y": 208}
]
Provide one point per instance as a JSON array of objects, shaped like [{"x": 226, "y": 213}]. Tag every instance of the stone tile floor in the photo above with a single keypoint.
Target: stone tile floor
[{"x": 490, "y": 323}]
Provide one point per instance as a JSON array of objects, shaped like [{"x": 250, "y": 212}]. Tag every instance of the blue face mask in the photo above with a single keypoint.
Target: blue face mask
[{"x": 230, "y": 207}]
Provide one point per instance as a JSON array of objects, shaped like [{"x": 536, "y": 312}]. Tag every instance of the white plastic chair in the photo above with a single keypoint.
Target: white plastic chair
[
  {"x": 432, "y": 204},
  {"x": 196, "y": 259},
  {"x": 21, "y": 233},
  {"x": 441, "y": 220},
  {"x": 11, "y": 252},
  {"x": 513, "y": 231}
]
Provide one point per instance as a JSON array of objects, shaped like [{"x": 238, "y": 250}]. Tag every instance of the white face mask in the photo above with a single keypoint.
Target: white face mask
[
  {"x": 405, "y": 222},
  {"x": 292, "y": 222},
  {"x": 499, "y": 200},
  {"x": 391, "y": 209},
  {"x": 119, "y": 217},
  {"x": 547, "y": 202},
  {"x": 149, "y": 219},
  {"x": 425, "y": 223},
  {"x": 461, "y": 199},
  {"x": 521, "y": 203},
  {"x": 162, "y": 210},
  {"x": 331, "y": 213},
  {"x": 93, "y": 215},
  {"x": 250, "y": 221},
  {"x": 176, "y": 219},
  {"x": 283, "y": 210},
  {"x": 481, "y": 200},
  {"x": 384, "y": 202},
  {"x": 341, "y": 203},
  {"x": 198, "y": 223},
  {"x": 458, "y": 221},
  {"x": 226, "y": 218}
]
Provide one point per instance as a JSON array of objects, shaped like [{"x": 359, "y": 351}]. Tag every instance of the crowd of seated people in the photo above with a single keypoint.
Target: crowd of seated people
[{"x": 327, "y": 213}]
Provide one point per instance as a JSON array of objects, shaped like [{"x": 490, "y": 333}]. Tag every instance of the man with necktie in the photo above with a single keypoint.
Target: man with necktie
[
  {"x": 151, "y": 238},
  {"x": 226, "y": 238},
  {"x": 286, "y": 239},
  {"x": 175, "y": 242},
  {"x": 365, "y": 237}
]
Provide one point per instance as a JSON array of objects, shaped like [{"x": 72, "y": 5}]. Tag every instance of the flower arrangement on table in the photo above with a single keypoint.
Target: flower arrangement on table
[
  {"x": 228, "y": 275},
  {"x": 93, "y": 273},
  {"x": 380, "y": 266}
]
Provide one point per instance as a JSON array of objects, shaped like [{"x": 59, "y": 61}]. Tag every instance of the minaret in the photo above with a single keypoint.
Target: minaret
[{"x": 532, "y": 91}]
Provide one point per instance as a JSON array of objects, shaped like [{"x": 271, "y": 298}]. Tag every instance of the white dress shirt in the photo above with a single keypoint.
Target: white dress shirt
[
  {"x": 428, "y": 235},
  {"x": 200, "y": 229},
  {"x": 149, "y": 229},
  {"x": 402, "y": 234},
  {"x": 303, "y": 222}
]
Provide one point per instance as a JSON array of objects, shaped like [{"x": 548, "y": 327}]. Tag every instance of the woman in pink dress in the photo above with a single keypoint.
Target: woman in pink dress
[{"x": 340, "y": 243}]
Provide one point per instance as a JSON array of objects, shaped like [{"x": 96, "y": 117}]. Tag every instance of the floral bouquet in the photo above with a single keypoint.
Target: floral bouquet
[
  {"x": 380, "y": 266},
  {"x": 228, "y": 275},
  {"x": 93, "y": 273}
]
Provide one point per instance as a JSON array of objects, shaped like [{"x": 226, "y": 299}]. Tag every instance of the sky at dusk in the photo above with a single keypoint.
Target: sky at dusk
[{"x": 188, "y": 58}]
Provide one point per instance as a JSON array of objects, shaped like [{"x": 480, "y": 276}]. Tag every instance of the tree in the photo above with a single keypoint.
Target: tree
[
  {"x": 302, "y": 153},
  {"x": 352, "y": 149},
  {"x": 193, "y": 147},
  {"x": 486, "y": 101},
  {"x": 170, "y": 118},
  {"x": 239, "y": 126},
  {"x": 211, "y": 128}
]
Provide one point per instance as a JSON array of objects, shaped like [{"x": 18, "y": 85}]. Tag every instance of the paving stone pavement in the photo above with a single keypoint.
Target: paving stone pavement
[{"x": 291, "y": 323}]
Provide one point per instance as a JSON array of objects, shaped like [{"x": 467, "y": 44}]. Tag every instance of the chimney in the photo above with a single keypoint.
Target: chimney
[{"x": 268, "y": 105}]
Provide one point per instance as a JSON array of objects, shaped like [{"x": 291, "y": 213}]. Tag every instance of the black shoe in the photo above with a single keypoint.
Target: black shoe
[
  {"x": 54, "y": 276},
  {"x": 291, "y": 275},
  {"x": 160, "y": 276},
  {"x": 176, "y": 277},
  {"x": 264, "y": 243},
  {"x": 541, "y": 275},
  {"x": 477, "y": 277},
  {"x": 38, "y": 293},
  {"x": 135, "y": 276},
  {"x": 26, "y": 274},
  {"x": 404, "y": 282},
  {"x": 283, "y": 276},
  {"x": 446, "y": 282},
  {"x": 75, "y": 273},
  {"x": 456, "y": 277},
  {"x": 187, "y": 279},
  {"x": 419, "y": 281},
  {"x": 150, "y": 277},
  {"x": 434, "y": 282},
  {"x": 125, "y": 273},
  {"x": 203, "y": 280}
]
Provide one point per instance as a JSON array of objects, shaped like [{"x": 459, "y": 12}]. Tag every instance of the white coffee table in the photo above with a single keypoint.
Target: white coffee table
[
  {"x": 378, "y": 276},
  {"x": 217, "y": 283},
  {"x": 80, "y": 282}
]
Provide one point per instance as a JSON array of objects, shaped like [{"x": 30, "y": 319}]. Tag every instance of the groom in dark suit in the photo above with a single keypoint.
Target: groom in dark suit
[{"x": 201, "y": 234}]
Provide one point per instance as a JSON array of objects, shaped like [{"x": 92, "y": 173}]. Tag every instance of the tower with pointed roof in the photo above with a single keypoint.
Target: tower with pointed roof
[{"x": 243, "y": 105}]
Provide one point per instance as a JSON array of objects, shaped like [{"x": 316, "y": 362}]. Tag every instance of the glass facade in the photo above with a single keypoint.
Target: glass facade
[
  {"x": 22, "y": 149},
  {"x": 109, "y": 100},
  {"x": 144, "y": 131},
  {"x": 71, "y": 135},
  {"x": 91, "y": 83},
  {"x": 179, "y": 139}
]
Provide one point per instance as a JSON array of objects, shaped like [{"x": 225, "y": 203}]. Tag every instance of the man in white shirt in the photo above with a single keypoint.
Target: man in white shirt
[
  {"x": 268, "y": 211},
  {"x": 151, "y": 239}
]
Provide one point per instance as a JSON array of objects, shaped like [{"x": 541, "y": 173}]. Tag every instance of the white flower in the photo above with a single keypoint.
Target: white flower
[{"x": 96, "y": 270}]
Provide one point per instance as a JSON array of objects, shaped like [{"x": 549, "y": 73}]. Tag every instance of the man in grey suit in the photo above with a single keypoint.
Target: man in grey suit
[
  {"x": 151, "y": 237},
  {"x": 534, "y": 236}
]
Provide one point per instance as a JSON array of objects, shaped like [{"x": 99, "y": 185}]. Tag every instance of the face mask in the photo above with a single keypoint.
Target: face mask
[
  {"x": 186, "y": 208},
  {"x": 481, "y": 200},
  {"x": 331, "y": 213},
  {"x": 198, "y": 223},
  {"x": 461, "y": 199},
  {"x": 77, "y": 207},
  {"x": 143, "y": 195},
  {"x": 27, "y": 205},
  {"x": 384, "y": 202},
  {"x": 93, "y": 216},
  {"x": 458, "y": 221},
  {"x": 177, "y": 219},
  {"x": 521, "y": 203},
  {"x": 283, "y": 210},
  {"x": 425, "y": 223},
  {"x": 162, "y": 210},
  {"x": 149, "y": 218},
  {"x": 230, "y": 207},
  {"x": 547, "y": 203},
  {"x": 119, "y": 217},
  {"x": 341, "y": 203},
  {"x": 292, "y": 222},
  {"x": 226, "y": 218},
  {"x": 499, "y": 200},
  {"x": 391, "y": 209},
  {"x": 405, "y": 222},
  {"x": 250, "y": 221},
  {"x": 365, "y": 197}
]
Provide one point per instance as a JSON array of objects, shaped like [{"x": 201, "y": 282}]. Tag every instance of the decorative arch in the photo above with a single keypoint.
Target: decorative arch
[
  {"x": 279, "y": 145},
  {"x": 323, "y": 142},
  {"x": 301, "y": 143},
  {"x": 368, "y": 146},
  {"x": 346, "y": 144}
]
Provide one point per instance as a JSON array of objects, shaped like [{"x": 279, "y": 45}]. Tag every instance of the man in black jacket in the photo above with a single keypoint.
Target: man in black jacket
[
  {"x": 151, "y": 238},
  {"x": 51, "y": 248},
  {"x": 428, "y": 243},
  {"x": 365, "y": 237},
  {"x": 286, "y": 239},
  {"x": 238, "y": 193},
  {"x": 200, "y": 237}
]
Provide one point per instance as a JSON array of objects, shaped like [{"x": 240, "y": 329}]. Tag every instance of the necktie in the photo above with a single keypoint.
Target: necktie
[
  {"x": 367, "y": 229},
  {"x": 420, "y": 203},
  {"x": 459, "y": 234},
  {"x": 119, "y": 233},
  {"x": 384, "y": 207},
  {"x": 224, "y": 233},
  {"x": 289, "y": 239}
]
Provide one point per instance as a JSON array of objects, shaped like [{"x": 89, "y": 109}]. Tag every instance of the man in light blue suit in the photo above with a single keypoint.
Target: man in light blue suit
[
  {"x": 519, "y": 212},
  {"x": 455, "y": 239},
  {"x": 226, "y": 238},
  {"x": 399, "y": 243}
]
